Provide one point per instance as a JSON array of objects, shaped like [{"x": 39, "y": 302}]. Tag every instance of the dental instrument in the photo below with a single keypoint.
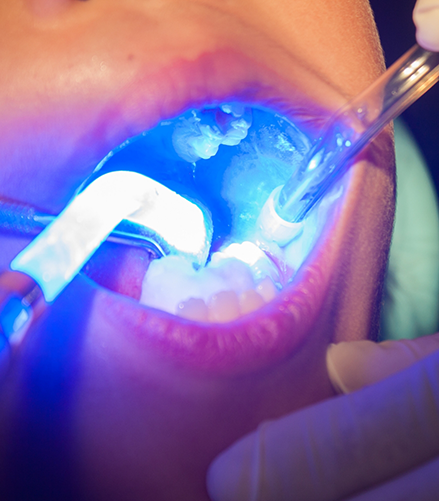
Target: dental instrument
[
  {"x": 49, "y": 263},
  {"x": 347, "y": 132},
  {"x": 23, "y": 219}
]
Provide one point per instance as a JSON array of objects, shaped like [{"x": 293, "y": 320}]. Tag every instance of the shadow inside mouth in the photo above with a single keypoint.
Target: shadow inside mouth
[{"x": 227, "y": 159}]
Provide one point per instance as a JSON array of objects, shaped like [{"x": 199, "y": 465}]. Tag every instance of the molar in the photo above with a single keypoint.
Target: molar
[
  {"x": 266, "y": 289},
  {"x": 250, "y": 301}
]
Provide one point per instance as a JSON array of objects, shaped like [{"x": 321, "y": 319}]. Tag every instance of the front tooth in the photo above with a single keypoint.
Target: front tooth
[
  {"x": 223, "y": 307},
  {"x": 193, "y": 309},
  {"x": 250, "y": 301},
  {"x": 266, "y": 289}
]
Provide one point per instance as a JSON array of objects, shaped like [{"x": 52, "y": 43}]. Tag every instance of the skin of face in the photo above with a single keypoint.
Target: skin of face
[{"x": 105, "y": 399}]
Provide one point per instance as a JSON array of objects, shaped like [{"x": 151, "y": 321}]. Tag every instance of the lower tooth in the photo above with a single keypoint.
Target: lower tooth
[
  {"x": 193, "y": 309},
  {"x": 266, "y": 289},
  {"x": 227, "y": 285},
  {"x": 224, "y": 307},
  {"x": 235, "y": 273},
  {"x": 250, "y": 301}
]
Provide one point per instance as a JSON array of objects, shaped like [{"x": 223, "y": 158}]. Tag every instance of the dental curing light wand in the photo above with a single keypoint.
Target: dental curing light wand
[
  {"x": 51, "y": 261},
  {"x": 346, "y": 133},
  {"x": 23, "y": 220}
]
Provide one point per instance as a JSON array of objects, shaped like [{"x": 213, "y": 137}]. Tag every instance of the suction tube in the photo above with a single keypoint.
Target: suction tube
[{"x": 346, "y": 133}]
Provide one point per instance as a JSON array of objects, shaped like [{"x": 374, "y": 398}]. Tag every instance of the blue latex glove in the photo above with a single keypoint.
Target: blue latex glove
[{"x": 377, "y": 443}]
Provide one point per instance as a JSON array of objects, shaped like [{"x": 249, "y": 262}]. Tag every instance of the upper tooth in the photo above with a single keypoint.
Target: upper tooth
[{"x": 199, "y": 135}]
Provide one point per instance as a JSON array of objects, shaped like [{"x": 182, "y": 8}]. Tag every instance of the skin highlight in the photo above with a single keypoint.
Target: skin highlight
[{"x": 135, "y": 403}]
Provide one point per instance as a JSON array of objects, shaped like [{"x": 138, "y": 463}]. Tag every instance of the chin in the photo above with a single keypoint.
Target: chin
[{"x": 134, "y": 401}]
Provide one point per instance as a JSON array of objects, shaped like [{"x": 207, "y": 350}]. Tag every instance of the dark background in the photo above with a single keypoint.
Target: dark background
[{"x": 397, "y": 33}]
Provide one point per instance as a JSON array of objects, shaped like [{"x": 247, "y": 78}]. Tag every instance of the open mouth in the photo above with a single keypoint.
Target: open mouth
[
  {"x": 253, "y": 299},
  {"x": 227, "y": 159}
]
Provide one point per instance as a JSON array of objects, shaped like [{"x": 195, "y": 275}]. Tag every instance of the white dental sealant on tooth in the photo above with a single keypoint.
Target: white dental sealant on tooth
[{"x": 229, "y": 158}]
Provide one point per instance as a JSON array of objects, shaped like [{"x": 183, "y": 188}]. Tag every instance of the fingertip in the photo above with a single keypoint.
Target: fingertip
[
  {"x": 426, "y": 19},
  {"x": 229, "y": 475},
  {"x": 356, "y": 364},
  {"x": 351, "y": 364}
]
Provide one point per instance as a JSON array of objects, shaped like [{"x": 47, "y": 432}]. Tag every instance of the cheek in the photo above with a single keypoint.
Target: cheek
[{"x": 366, "y": 242}]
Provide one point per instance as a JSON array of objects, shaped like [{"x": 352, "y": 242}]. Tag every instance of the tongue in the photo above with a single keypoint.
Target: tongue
[{"x": 118, "y": 268}]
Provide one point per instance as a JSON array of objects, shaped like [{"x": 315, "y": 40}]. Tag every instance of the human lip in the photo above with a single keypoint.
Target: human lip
[
  {"x": 246, "y": 344},
  {"x": 153, "y": 93}
]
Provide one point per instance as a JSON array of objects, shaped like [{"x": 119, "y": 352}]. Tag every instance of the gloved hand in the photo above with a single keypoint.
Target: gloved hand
[
  {"x": 426, "y": 19},
  {"x": 379, "y": 443}
]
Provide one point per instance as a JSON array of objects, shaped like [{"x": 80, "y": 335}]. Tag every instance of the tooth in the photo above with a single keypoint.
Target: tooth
[
  {"x": 236, "y": 109},
  {"x": 250, "y": 301},
  {"x": 200, "y": 135},
  {"x": 234, "y": 272},
  {"x": 165, "y": 281},
  {"x": 248, "y": 252},
  {"x": 193, "y": 309},
  {"x": 224, "y": 307},
  {"x": 266, "y": 289}
]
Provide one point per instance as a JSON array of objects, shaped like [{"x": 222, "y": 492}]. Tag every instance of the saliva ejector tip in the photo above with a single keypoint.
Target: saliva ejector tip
[
  {"x": 346, "y": 133},
  {"x": 272, "y": 226}
]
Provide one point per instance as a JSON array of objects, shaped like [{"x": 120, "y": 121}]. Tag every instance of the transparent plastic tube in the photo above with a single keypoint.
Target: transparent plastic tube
[{"x": 352, "y": 127}]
